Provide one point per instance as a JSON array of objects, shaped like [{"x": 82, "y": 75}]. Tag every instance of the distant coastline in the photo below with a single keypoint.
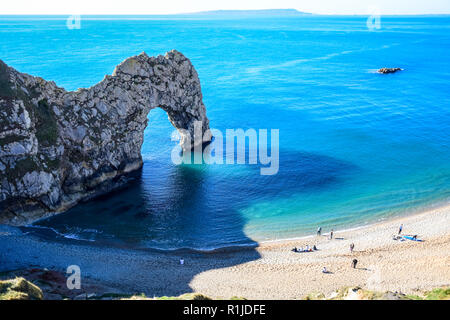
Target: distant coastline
[
  {"x": 262, "y": 12},
  {"x": 265, "y": 13}
]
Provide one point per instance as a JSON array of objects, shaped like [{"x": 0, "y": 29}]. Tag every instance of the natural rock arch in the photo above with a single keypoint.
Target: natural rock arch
[{"x": 59, "y": 147}]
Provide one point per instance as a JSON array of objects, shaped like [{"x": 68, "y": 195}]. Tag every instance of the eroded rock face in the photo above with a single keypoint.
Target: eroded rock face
[{"x": 58, "y": 148}]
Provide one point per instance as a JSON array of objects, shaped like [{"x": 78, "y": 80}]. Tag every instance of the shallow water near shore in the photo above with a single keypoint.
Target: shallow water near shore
[{"x": 355, "y": 146}]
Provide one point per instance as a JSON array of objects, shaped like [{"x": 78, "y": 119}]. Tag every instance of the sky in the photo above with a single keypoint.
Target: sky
[{"x": 185, "y": 6}]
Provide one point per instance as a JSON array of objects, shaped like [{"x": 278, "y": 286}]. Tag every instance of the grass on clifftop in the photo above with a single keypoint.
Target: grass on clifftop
[
  {"x": 435, "y": 294},
  {"x": 186, "y": 296},
  {"x": 356, "y": 293}
]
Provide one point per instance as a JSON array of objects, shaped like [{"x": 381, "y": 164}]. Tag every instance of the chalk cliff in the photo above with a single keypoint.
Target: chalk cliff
[{"x": 58, "y": 148}]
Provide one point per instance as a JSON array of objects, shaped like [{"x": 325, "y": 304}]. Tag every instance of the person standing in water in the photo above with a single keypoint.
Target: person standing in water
[
  {"x": 400, "y": 229},
  {"x": 319, "y": 231}
]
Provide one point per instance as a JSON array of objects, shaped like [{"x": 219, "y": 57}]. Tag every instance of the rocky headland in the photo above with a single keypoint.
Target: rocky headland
[{"x": 58, "y": 148}]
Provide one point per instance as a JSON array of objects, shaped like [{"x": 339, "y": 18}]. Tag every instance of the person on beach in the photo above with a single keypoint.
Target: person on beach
[
  {"x": 314, "y": 248},
  {"x": 295, "y": 249},
  {"x": 331, "y": 234},
  {"x": 319, "y": 231},
  {"x": 324, "y": 270},
  {"x": 354, "y": 262},
  {"x": 400, "y": 229},
  {"x": 352, "y": 246}
]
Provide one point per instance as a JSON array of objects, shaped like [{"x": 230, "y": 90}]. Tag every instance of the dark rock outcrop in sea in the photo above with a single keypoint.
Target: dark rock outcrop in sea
[
  {"x": 58, "y": 148},
  {"x": 389, "y": 70}
]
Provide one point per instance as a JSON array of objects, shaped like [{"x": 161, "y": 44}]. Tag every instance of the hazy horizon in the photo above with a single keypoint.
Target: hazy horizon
[
  {"x": 272, "y": 11},
  {"x": 143, "y": 7}
]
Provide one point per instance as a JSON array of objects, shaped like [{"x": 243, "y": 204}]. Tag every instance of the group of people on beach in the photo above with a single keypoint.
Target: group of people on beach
[
  {"x": 319, "y": 233},
  {"x": 400, "y": 237},
  {"x": 352, "y": 246},
  {"x": 314, "y": 247},
  {"x": 306, "y": 249}
]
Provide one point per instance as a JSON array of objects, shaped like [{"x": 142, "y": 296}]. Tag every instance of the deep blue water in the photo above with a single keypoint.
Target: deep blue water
[{"x": 355, "y": 146}]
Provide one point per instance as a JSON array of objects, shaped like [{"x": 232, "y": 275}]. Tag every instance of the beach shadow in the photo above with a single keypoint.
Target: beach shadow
[{"x": 169, "y": 212}]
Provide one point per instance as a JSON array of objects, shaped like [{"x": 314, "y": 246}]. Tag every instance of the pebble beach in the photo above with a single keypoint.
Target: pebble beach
[{"x": 269, "y": 271}]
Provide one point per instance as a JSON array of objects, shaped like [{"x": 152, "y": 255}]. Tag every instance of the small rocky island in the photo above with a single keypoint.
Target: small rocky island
[
  {"x": 389, "y": 70},
  {"x": 58, "y": 148}
]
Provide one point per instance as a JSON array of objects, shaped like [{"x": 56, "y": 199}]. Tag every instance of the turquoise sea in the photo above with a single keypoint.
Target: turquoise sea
[{"x": 355, "y": 146}]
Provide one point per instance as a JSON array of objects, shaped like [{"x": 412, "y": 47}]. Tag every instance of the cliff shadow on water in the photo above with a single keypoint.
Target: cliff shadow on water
[
  {"x": 133, "y": 239},
  {"x": 170, "y": 212}
]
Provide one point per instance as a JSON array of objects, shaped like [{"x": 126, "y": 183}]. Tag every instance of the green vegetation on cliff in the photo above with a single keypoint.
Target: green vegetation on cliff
[
  {"x": 5, "y": 85},
  {"x": 53, "y": 288},
  {"x": 435, "y": 294},
  {"x": 46, "y": 128},
  {"x": 357, "y": 293},
  {"x": 186, "y": 296}
]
